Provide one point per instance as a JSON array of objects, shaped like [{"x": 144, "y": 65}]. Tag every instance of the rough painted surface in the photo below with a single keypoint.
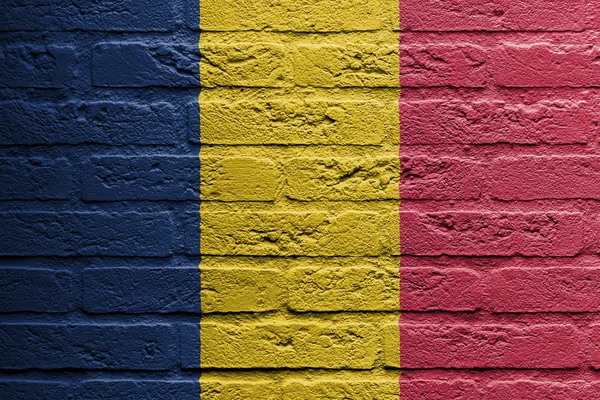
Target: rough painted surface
[
  {"x": 299, "y": 130},
  {"x": 99, "y": 191},
  {"x": 499, "y": 212},
  {"x": 299, "y": 185}
]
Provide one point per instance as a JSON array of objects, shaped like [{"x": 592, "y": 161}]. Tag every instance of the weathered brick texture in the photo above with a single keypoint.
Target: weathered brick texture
[
  {"x": 439, "y": 390},
  {"x": 433, "y": 121},
  {"x": 316, "y": 233},
  {"x": 452, "y": 289},
  {"x": 87, "y": 234},
  {"x": 498, "y": 188},
  {"x": 103, "y": 346},
  {"x": 89, "y": 122},
  {"x": 28, "y": 65},
  {"x": 98, "y": 184},
  {"x": 289, "y": 345},
  {"x": 474, "y": 233},
  {"x": 299, "y": 224},
  {"x": 489, "y": 346},
  {"x": 293, "y": 122},
  {"x": 499, "y": 15},
  {"x": 329, "y": 203}
]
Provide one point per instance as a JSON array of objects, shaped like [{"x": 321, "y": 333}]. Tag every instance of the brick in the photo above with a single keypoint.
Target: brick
[
  {"x": 139, "y": 389},
  {"x": 453, "y": 65},
  {"x": 352, "y": 65},
  {"x": 79, "y": 122},
  {"x": 343, "y": 289},
  {"x": 192, "y": 121},
  {"x": 35, "y": 178},
  {"x": 440, "y": 178},
  {"x": 241, "y": 289},
  {"x": 544, "y": 290},
  {"x": 391, "y": 345},
  {"x": 531, "y": 178},
  {"x": 492, "y": 122},
  {"x": 138, "y": 290},
  {"x": 289, "y": 345},
  {"x": 137, "y": 65},
  {"x": 489, "y": 346},
  {"x": 430, "y": 389},
  {"x": 426, "y": 288},
  {"x": 244, "y": 64},
  {"x": 290, "y": 233},
  {"x": 247, "y": 390},
  {"x": 38, "y": 66},
  {"x": 189, "y": 345},
  {"x": 86, "y": 234},
  {"x": 37, "y": 290},
  {"x": 296, "y": 122},
  {"x": 189, "y": 226},
  {"x": 545, "y": 65},
  {"x": 497, "y": 15},
  {"x": 296, "y": 16},
  {"x": 366, "y": 178},
  {"x": 390, "y": 232},
  {"x": 55, "y": 15},
  {"x": 478, "y": 233},
  {"x": 45, "y": 346},
  {"x": 155, "y": 177},
  {"x": 238, "y": 179},
  {"x": 39, "y": 390},
  {"x": 594, "y": 336},
  {"x": 326, "y": 389},
  {"x": 542, "y": 390}
]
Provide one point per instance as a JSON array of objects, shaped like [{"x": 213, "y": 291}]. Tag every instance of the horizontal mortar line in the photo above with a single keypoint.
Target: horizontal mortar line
[
  {"x": 100, "y": 318},
  {"x": 175, "y": 150},
  {"x": 426, "y": 146},
  {"x": 180, "y": 257},
  {"x": 436, "y": 258},
  {"x": 299, "y": 369},
  {"x": 298, "y": 33},
  {"x": 209, "y": 146},
  {"x": 488, "y": 202},
  {"x": 295, "y": 315},
  {"x": 291, "y": 202},
  {"x": 78, "y": 257},
  {"x": 492, "y": 85},
  {"x": 302, "y": 88},
  {"x": 487, "y": 32},
  {"x": 65, "y": 374},
  {"x": 109, "y": 203},
  {"x": 483, "y": 257},
  {"x": 92, "y": 370},
  {"x": 490, "y": 269},
  {"x": 476, "y": 371},
  {"x": 305, "y": 257},
  {"x": 335, "y": 90},
  {"x": 484, "y": 312},
  {"x": 173, "y": 34}
]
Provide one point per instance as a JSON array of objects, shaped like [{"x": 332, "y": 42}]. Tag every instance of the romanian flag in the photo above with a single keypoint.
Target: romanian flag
[{"x": 299, "y": 199}]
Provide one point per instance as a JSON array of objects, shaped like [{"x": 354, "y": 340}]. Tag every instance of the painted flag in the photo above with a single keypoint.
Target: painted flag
[
  {"x": 299, "y": 207},
  {"x": 281, "y": 199}
]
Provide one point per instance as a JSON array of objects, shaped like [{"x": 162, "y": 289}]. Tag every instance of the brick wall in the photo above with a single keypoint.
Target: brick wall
[
  {"x": 299, "y": 211},
  {"x": 499, "y": 215},
  {"x": 306, "y": 254},
  {"x": 99, "y": 189}
]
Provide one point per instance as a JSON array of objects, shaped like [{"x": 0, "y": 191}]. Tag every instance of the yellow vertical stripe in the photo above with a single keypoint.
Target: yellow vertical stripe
[{"x": 299, "y": 211}]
